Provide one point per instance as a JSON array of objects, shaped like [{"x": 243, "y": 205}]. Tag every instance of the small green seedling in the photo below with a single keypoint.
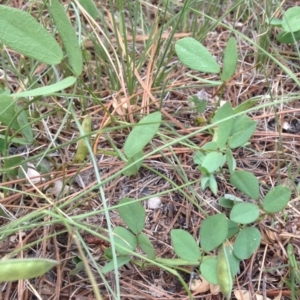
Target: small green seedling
[
  {"x": 142, "y": 133},
  {"x": 233, "y": 237},
  {"x": 289, "y": 23},
  {"x": 230, "y": 132},
  {"x": 126, "y": 240}
]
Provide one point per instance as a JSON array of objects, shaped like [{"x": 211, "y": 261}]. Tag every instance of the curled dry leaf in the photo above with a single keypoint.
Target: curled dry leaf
[
  {"x": 246, "y": 295},
  {"x": 58, "y": 189},
  {"x": 33, "y": 174},
  {"x": 199, "y": 286},
  {"x": 214, "y": 289}
]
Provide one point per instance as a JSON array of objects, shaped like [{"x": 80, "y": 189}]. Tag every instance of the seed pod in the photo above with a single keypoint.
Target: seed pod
[
  {"x": 224, "y": 274},
  {"x": 82, "y": 149},
  {"x": 16, "y": 269}
]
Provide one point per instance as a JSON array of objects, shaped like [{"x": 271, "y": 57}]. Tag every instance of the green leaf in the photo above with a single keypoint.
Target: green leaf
[
  {"x": 276, "y": 22},
  {"x": 78, "y": 268},
  {"x": 133, "y": 214},
  {"x": 230, "y": 60},
  {"x": 200, "y": 105},
  {"x": 185, "y": 245},
  {"x": 226, "y": 203},
  {"x": 213, "y": 161},
  {"x": 142, "y": 134},
  {"x": 230, "y": 161},
  {"x": 204, "y": 181},
  {"x": 90, "y": 7},
  {"x": 133, "y": 164},
  {"x": 210, "y": 146},
  {"x": 288, "y": 37},
  {"x": 276, "y": 199},
  {"x": 233, "y": 229},
  {"x": 247, "y": 242},
  {"x": 195, "y": 56},
  {"x": 208, "y": 269},
  {"x": 213, "y": 232},
  {"x": 18, "y": 269},
  {"x": 68, "y": 36},
  {"x": 229, "y": 200},
  {"x": 24, "y": 124},
  {"x": 7, "y": 111},
  {"x": 291, "y": 19},
  {"x": 246, "y": 182},
  {"x": 48, "y": 90},
  {"x": 22, "y": 33},
  {"x": 245, "y": 105},
  {"x": 233, "y": 198},
  {"x": 11, "y": 164},
  {"x": 198, "y": 157},
  {"x": 213, "y": 185},
  {"x": 242, "y": 130},
  {"x": 124, "y": 240},
  {"x": 146, "y": 246},
  {"x": 244, "y": 213},
  {"x": 224, "y": 129},
  {"x": 121, "y": 261}
]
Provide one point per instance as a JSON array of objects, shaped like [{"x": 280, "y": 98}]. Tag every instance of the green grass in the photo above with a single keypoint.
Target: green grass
[{"x": 131, "y": 69}]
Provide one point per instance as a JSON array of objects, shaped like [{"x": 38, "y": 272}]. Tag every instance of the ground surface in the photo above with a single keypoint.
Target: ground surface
[{"x": 170, "y": 174}]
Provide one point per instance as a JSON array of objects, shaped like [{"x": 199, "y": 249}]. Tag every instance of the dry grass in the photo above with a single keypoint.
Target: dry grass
[{"x": 169, "y": 173}]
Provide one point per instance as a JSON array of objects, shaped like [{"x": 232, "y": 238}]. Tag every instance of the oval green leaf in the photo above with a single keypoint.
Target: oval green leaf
[
  {"x": 25, "y": 127},
  {"x": 22, "y": 33},
  {"x": 247, "y": 242},
  {"x": 212, "y": 162},
  {"x": 246, "y": 182},
  {"x": 230, "y": 60},
  {"x": 213, "y": 185},
  {"x": 133, "y": 214},
  {"x": 213, "y": 232},
  {"x": 233, "y": 229},
  {"x": 90, "y": 7},
  {"x": 185, "y": 245},
  {"x": 124, "y": 240},
  {"x": 277, "y": 199},
  {"x": 208, "y": 269},
  {"x": 244, "y": 213},
  {"x": 224, "y": 129},
  {"x": 195, "y": 56},
  {"x": 17, "y": 269},
  {"x": 68, "y": 36},
  {"x": 142, "y": 134},
  {"x": 242, "y": 130},
  {"x": 133, "y": 164},
  {"x": 231, "y": 163},
  {"x": 226, "y": 203},
  {"x": 288, "y": 37},
  {"x": 121, "y": 261},
  {"x": 146, "y": 245},
  {"x": 291, "y": 19}
]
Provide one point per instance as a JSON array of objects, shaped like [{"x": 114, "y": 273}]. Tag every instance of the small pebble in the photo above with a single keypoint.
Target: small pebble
[{"x": 154, "y": 203}]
